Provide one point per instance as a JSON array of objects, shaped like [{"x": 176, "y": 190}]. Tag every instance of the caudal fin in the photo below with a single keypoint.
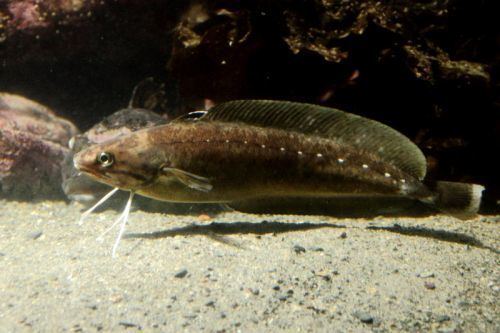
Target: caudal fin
[{"x": 461, "y": 200}]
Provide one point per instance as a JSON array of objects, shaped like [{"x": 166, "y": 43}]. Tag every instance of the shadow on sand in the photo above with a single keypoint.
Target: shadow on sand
[{"x": 217, "y": 231}]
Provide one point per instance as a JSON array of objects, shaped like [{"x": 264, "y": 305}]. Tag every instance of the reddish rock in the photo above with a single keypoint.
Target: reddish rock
[{"x": 33, "y": 143}]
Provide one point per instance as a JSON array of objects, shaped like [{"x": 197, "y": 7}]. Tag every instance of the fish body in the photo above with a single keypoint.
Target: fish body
[
  {"x": 244, "y": 162},
  {"x": 246, "y": 151}
]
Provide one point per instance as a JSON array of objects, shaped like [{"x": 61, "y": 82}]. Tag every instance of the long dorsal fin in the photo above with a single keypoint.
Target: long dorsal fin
[{"x": 362, "y": 133}]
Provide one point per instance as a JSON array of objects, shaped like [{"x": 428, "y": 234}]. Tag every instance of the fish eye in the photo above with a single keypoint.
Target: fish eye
[{"x": 105, "y": 159}]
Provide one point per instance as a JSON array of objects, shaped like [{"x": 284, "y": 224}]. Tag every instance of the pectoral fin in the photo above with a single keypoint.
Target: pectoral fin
[{"x": 190, "y": 180}]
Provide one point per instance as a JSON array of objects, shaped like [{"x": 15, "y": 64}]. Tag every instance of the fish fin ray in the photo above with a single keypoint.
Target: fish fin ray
[
  {"x": 189, "y": 179},
  {"x": 360, "y": 132}
]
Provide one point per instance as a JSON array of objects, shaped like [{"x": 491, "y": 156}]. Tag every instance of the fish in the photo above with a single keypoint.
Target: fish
[{"x": 245, "y": 153}]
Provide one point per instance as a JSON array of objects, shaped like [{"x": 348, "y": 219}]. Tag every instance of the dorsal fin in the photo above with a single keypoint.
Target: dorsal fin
[{"x": 354, "y": 130}]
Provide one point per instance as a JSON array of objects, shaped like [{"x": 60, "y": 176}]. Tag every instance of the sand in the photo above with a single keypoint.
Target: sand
[{"x": 240, "y": 272}]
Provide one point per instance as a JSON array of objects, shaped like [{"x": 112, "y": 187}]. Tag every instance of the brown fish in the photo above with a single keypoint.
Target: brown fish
[{"x": 242, "y": 152}]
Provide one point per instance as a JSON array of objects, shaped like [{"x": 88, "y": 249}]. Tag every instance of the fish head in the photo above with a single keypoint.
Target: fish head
[{"x": 119, "y": 164}]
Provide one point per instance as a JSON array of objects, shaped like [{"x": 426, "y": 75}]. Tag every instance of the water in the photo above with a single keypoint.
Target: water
[
  {"x": 84, "y": 59},
  {"x": 424, "y": 68}
]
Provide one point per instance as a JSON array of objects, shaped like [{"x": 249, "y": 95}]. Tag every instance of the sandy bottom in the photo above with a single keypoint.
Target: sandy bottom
[{"x": 239, "y": 272}]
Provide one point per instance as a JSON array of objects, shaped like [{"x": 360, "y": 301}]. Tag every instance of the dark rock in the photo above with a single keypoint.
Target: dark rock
[
  {"x": 327, "y": 278},
  {"x": 299, "y": 249},
  {"x": 343, "y": 235},
  {"x": 181, "y": 274},
  {"x": 127, "y": 324}
]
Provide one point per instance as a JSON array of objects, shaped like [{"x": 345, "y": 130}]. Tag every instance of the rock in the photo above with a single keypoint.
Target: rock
[
  {"x": 429, "y": 285},
  {"x": 426, "y": 275},
  {"x": 33, "y": 143},
  {"x": 35, "y": 235},
  {"x": 299, "y": 249},
  {"x": 364, "y": 317},
  {"x": 181, "y": 274},
  {"x": 127, "y": 324},
  {"x": 255, "y": 291}
]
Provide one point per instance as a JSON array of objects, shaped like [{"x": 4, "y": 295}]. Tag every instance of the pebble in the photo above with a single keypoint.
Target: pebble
[
  {"x": 255, "y": 292},
  {"x": 429, "y": 285},
  {"x": 343, "y": 235},
  {"x": 299, "y": 249},
  {"x": 364, "y": 317},
  {"x": 180, "y": 274},
  {"x": 426, "y": 275},
  {"x": 127, "y": 324},
  {"x": 35, "y": 235}
]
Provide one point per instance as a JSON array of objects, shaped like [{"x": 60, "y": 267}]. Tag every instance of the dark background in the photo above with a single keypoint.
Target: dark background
[{"x": 426, "y": 68}]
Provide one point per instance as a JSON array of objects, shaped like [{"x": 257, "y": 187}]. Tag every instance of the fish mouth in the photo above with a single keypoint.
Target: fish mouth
[
  {"x": 94, "y": 174},
  {"x": 106, "y": 176}
]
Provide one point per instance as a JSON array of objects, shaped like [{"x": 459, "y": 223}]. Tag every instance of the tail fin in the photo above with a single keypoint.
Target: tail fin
[{"x": 460, "y": 200}]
